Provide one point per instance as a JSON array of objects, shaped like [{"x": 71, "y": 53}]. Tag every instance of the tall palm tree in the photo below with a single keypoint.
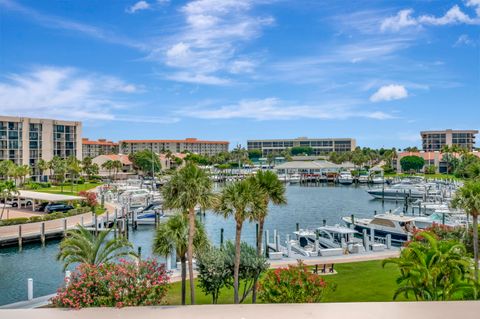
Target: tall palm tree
[
  {"x": 190, "y": 186},
  {"x": 74, "y": 169},
  {"x": 22, "y": 171},
  {"x": 174, "y": 235},
  {"x": 116, "y": 167},
  {"x": 82, "y": 246},
  {"x": 240, "y": 200},
  {"x": 468, "y": 198},
  {"x": 59, "y": 168},
  {"x": 274, "y": 192},
  {"x": 42, "y": 166},
  {"x": 8, "y": 189},
  {"x": 108, "y": 165}
]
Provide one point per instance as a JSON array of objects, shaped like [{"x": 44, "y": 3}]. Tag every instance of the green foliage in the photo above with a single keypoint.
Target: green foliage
[
  {"x": 213, "y": 272},
  {"x": 82, "y": 246},
  {"x": 412, "y": 163},
  {"x": 434, "y": 270},
  {"x": 430, "y": 169},
  {"x": 295, "y": 284},
  {"x": 47, "y": 217},
  {"x": 254, "y": 154},
  {"x": 251, "y": 266},
  {"x": 301, "y": 150},
  {"x": 198, "y": 159},
  {"x": 145, "y": 161}
]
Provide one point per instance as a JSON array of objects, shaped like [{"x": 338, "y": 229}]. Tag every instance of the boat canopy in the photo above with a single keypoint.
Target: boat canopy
[{"x": 337, "y": 229}]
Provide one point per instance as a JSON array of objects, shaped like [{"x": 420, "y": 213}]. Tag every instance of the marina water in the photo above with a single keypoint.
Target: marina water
[{"x": 308, "y": 206}]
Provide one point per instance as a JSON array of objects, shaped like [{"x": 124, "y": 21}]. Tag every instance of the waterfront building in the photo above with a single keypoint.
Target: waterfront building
[
  {"x": 25, "y": 140},
  {"x": 311, "y": 167},
  {"x": 320, "y": 146},
  {"x": 127, "y": 166},
  {"x": 101, "y": 147},
  {"x": 192, "y": 145},
  {"x": 436, "y": 140},
  {"x": 431, "y": 159}
]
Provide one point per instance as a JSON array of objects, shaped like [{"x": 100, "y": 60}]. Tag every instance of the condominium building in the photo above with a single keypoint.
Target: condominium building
[
  {"x": 101, "y": 147},
  {"x": 320, "y": 146},
  {"x": 436, "y": 140},
  {"x": 175, "y": 146},
  {"x": 26, "y": 140}
]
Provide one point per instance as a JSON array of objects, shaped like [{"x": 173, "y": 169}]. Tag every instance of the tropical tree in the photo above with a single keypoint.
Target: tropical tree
[
  {"x": 8, "y": 189},
  {"x": 108, "y": 165},
  {"x": 42, "y": 166},
  {"x": 273, "y": 191},
  {"x": 82, "y": 246},
  {"x": 59, "y": 168},
  {"x": 213, "y": 271},
  {"x": 189, "y": 187},
  {"x": 434, "y": 270},
  {"x": 412, "y": 163},
  {"x": 240, "y": 200},
  {"x": 74, "y": 169},
  {"x": 89, "y": 168},
  {"x": 146, "y": 161},
  {"x": 117, "y": 166},
  {"x": 173, "y": 235},
  {"x": 468, "y": 198},
  {"x": 22, "y": 172}
]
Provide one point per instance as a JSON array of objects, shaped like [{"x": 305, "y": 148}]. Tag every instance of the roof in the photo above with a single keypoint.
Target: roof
[
  {"x": 47, "y": 196},
  {"x": 394, "y": 217},
  {"x": 163, "y": 156},
  {"x": 114, "y": 157},
  {"x": 433, "y": 154},
  {"x": 187, "y": 140},
  {"x": 86, "y": 141}
]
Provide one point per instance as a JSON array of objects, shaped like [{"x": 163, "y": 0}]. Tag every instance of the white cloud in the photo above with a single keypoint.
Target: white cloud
[
  {"x": 401, "y": 20},
  {"x": 455, "y": 15},
  {"x": 66, "y": 93},
  {"x": 138, "y": 6},
  {"x": 389, "y": 92},
  {"x": 464, "y": 40},
  {"x": 276, "y": 109},
  {"x": 209, "y": 43},
  {"x": 198, "y": 78}
]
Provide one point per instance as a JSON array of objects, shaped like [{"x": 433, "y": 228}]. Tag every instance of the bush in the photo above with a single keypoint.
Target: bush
[
  {"x": 13, "y": 221},
  {"x": 115, "y": 285},
  {"x": 213, "y": 273},
  {"x": 47, "y": 217},
  {"x": 35, "y": 219},
  {"x": 295, "y": 284}
]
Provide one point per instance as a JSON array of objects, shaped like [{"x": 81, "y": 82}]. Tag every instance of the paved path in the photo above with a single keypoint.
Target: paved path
[{"x": 391, "y": 310}]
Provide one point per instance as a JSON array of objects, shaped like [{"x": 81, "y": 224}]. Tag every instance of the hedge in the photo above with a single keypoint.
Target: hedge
[{"x": 47, "y": 217}]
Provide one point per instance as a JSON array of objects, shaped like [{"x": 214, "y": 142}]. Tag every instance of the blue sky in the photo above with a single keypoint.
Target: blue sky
[{"x": 377, "y": 71}]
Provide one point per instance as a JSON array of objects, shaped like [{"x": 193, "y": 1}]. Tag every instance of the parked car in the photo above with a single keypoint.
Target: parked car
[
  {"x": 41, "y": 207},
  {"x": 14, "y": 202},
  {"x": 57, "y": 207}
]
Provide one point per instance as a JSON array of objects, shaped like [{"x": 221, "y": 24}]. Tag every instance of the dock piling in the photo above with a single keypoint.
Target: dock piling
[
  {"x": 389, "y": 241},
  {"x": 42, "y": 233},
  {"x": 29, "y": 289},
  {"x": 20, "y": 236},
  {"x": 221, "y": 237},
  {"x": 64, "y": 227},
  {"x": 365, "y": 239},
  {"x": 289, "y": 246}
]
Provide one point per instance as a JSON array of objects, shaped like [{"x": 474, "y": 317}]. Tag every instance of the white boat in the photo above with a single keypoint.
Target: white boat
[
  {"x": 363, "y": 179},
  {"x": 305, "y": 243},
  {"x": 398, "y": 226},
  {"x": 378, "y": 180},
  {"x": 345, "y": 178},
  {"x": 294, "y": 178},
  {"x": 337, "y": 237},
  {"x": 146, "y": 215}
]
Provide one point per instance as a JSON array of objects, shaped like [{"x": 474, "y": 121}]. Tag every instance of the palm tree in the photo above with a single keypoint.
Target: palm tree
[
  {"x": 22, "y": 171},
  {"x": 189, "y": 187},
  {"x": 240, "y": 200},
  {"x": 8, "y": 189},
  {"x": 468, "y": 198},
  {"x": 433, "y": 270},
  {"x": 116, "y": 167},
  {"x": 274, "y": 192},
  {"x": 108, "y": 165},
  {"x": 42, "y": 166},
  {"x": 74, "y": 169},
  {"x": 59, "y": 168},
  {"x": 174, "y": 235},
  {"x": 82, "y": 246}
]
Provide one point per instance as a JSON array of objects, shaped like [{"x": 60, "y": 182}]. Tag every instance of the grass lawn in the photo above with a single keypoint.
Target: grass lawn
[
  {"x": 67, "y": 189},
  {"x": 356, "y": 282}
]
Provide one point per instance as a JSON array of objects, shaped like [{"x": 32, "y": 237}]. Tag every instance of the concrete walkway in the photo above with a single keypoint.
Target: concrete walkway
[{"x": 392, "y": 310}]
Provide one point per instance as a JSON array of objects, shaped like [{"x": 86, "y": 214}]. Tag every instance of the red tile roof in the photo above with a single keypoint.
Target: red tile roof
[
  {"x": 120, "y": 157},
  {"x": 85, "y": 141},
  {"x": 187, "y": 140}
]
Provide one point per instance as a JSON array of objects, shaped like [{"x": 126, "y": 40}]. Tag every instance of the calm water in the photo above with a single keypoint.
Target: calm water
[{"x": 306, "y": 205}]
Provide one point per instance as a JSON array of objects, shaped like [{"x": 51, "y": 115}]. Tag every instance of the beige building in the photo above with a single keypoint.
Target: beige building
[
  {"x": 192, "y": 145},
  {"x": 436, "y": 140},
  {"x": 95, "y": 148},
  {"x": 127, "y": 166},
  {"x": 26, "y": 140},
  {"x": 320, "y": 146}
]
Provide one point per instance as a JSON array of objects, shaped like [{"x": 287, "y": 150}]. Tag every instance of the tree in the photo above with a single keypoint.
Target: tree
[
  {"x": 42, "y": 166},
  {"x": 254, "y": 154},
  {"x": 301, "y": 150},
  {"x": 173, "y": 235},
  {"x": 240, "y": 200},
  {"x": 434, "y": 270},
  {"x": 146, "y": 161},
  {"x": 213, "y": 272},
  {"x": 411, "y": 149},
  {"x": 468, "y": 198},
  {"x": 190, "y": 186},
  {"x": 59, "y": 168},
  {"x": 251, "y": 266},
  {"x": 274, "y": 192},
  {"x": 22, "y": 172},
  {"x": 412, "y": 163},
  {"x": 89, "y": 168},
  {"x": 8, "y": 189},
  {"x": 117, "y": 166},
  {"x": 82, "y": 246},
  {"x": 74, "y": 169},
  {"x": 108, "y": 165}
]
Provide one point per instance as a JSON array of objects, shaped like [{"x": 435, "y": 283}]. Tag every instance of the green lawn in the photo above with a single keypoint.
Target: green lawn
[
  {"x": 67, "y": 189},
  {"x": 356, "y": 282}
]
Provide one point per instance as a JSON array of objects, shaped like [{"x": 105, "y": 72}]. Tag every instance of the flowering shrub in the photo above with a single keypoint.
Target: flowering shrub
[
  {"x": 114, "y": 285},
  {"x": 295, "y": 284},
  {"x": 90, "y": 199}
]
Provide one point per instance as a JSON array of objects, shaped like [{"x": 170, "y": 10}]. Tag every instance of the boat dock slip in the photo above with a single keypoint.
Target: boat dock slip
[{"x": 367, "y": 310}]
